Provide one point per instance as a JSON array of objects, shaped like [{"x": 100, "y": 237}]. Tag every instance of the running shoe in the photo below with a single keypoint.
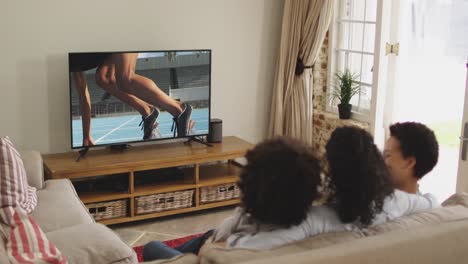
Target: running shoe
[
  {"x": 149, "y": 123},
  {"x": 181, "y": 123}
]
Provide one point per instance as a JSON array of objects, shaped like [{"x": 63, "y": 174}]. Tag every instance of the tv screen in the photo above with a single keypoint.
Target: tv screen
[{"x": 127, "y": 97}]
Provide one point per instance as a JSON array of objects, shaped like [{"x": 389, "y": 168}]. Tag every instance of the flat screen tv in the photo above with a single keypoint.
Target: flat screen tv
[{"x": 136, "y": 96}]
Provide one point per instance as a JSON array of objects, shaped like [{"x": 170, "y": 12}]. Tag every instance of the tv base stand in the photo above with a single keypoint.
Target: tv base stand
[
  {"x": 82, "y": 153},
  {"x": 199, "y": 140},
  {"x": 119, "y": 147}
]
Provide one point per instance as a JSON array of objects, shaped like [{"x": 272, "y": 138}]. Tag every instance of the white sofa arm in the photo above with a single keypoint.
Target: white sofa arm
[{"x": 32, "y": 161}]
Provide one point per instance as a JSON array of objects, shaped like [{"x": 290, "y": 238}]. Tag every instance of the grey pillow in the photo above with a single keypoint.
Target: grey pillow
[{"x": 91, "y": 243}]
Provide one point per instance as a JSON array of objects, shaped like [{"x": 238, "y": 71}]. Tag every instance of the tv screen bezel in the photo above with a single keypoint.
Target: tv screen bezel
[{"x": 136, "y": 141}]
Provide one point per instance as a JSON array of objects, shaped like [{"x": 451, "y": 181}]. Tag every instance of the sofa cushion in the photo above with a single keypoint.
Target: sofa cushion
[
  {"x": 14, "y": 187},
  {"x": 59, "y": 206},
  {"x": 32, "y": 161},
  {"x": 455, "y": 208},
  {"x": 24, "y": 241},
  {"x": 92, "y": 243},
  {"x": 432, "y": 217},
  {"x": 212, "y": 253},
  {"x": 457, "y": 199},
  {"x": 444, "y": 243}
]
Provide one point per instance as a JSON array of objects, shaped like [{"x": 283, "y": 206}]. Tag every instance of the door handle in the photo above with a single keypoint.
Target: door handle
[{"x": 464, "y": 140}]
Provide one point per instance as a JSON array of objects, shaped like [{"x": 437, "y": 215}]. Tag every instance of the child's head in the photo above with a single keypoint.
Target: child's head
[
  {"x": 410, "y": 153},
  {"x": 358, "y": 180},
  {"x": 279, "y": 182}
]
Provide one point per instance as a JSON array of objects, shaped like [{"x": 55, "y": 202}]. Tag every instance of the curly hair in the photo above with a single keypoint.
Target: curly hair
[
  {"x": 418, "y": 141},
  {"x": 279, "y": 182},
  {"x": 359, "y": 180}
]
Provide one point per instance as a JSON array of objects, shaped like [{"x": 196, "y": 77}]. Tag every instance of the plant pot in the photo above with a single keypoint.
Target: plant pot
[{"x": 344, "y": 111}]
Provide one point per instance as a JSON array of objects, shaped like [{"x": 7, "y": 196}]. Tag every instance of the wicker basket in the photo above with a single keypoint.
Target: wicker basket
[
  {"x": 217, "y": 193},
  {"x": 107, "y": 210},
  {"x": 163, "y": 202}
]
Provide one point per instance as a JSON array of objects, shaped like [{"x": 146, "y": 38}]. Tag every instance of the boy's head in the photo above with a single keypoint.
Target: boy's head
[
  {"x": 279, "y": 182},
  {"x": 410, "y": 153}
]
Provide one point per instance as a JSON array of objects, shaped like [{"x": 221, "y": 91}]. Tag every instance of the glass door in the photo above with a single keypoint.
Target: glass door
[{"x": 426, "y": 80}]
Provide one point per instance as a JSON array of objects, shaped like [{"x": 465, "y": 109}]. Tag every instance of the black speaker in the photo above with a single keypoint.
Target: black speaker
[{"x": 216, "y": 131}]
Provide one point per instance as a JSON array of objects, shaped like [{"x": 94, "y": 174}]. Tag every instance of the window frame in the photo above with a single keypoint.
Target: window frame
[{"x": 363, "y": 115}]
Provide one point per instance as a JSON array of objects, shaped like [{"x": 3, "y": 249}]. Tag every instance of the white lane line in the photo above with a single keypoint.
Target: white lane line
[{"x": 113, "y": 130}]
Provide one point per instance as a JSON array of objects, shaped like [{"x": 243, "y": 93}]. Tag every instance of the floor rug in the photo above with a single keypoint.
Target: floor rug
[{"x": 172, "y": 243}]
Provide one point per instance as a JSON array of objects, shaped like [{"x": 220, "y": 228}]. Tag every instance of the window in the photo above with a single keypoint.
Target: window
[{"x": 352, "y": 46}]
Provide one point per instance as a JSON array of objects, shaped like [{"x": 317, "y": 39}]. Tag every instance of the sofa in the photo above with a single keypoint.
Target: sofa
[
  {"x": 446, "y": 243},
  {"x": 66, "y": 222},
  {"x": 436, "y": 236}
]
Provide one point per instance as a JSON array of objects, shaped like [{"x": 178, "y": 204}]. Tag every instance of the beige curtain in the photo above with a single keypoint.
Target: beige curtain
[{"x": 305, "y": 24}]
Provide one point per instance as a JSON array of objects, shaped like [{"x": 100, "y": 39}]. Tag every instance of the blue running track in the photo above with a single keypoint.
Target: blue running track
[{"x": 106, "y": 130}]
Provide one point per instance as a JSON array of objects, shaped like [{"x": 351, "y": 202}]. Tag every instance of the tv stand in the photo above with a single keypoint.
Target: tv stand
[
  {"x": 207, "y": 174},
  {"x": 199, "y": 140},
  {"x": 82, "y": 153},
  {"x": 119, "y": 147}
]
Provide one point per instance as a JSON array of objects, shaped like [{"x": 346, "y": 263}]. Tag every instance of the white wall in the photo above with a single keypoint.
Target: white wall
[{"x": 35, "y": 37}]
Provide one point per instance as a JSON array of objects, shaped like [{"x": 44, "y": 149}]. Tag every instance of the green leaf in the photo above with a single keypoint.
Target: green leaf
[{"x": 346, "y": 86}]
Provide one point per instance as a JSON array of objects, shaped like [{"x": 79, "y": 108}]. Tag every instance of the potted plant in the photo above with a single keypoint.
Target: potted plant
[{"x": 346, "y": 87}]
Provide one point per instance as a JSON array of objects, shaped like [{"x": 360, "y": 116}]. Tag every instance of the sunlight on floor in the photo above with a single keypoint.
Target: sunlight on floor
[{"x": 168, "y": 228}]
